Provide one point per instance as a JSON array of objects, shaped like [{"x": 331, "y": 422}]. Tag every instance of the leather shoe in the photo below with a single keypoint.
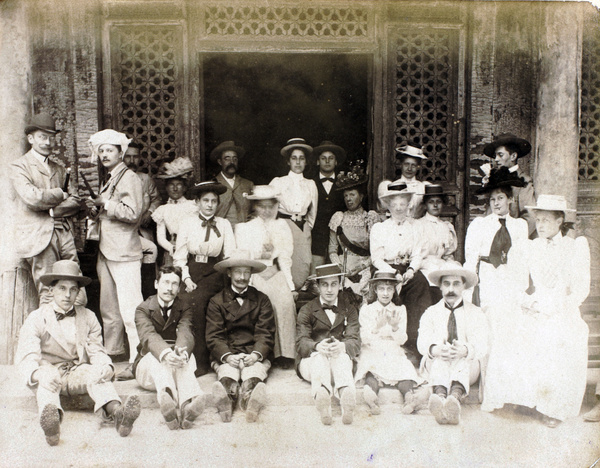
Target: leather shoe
[
  {"x": 50, "y": 422},
  {"x": 593, "y": 415},
  {"x": 436, "y": 406},
  {"x": 257, "y": 401},
  {"x": 126, "y": 414},
  {"x": 192, "y": 410},
  {"x": 126, "y": 374},
  {"x": 323, "y": 403},
  {"x": 222, "y": 401},
  {"x": 168, "y": 409}
]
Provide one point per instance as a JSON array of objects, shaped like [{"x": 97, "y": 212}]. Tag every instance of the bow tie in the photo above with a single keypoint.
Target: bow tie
[
  {"x": 209, "y": 224},
  {"x": 332, "y": 308},
  {"x": 172, "y": 202},
  {"x": 328, "y": 179},
  {"x": 60, "y": 316},
  {"x": 242, "y": 295}
]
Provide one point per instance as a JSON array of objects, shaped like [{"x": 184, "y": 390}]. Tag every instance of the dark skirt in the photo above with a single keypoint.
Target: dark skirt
[{"x": 209, "y": 283}]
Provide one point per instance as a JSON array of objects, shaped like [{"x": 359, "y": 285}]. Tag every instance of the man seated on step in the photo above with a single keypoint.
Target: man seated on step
[
  {"x": 453, "y": 339},
  {"x": 327, "y": 342},
  {"x": 60, "y": 352},
  {"x": 240, "y": 334},
  {"x": 165, "y": 362}
]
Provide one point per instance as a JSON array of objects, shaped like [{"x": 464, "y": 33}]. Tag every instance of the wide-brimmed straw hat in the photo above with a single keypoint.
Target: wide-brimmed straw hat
[
  {"x": 522, "y": 145},
  {"x": 340, "y": 153},
  {"x": 388, "y": 189},
  {"x": 42, "y": 121},
  {"x": 208, "y": 186},
  {"x": 411, "y": 151},
  {"x": 65, "y": 270},
  {"x": 179, "y": 167},
  {"x": 551, "y": 203},
  {"x": 226, "y": 146},
  {"x": 296, "y": 143},
  {"x": 263, "y": 192},
  {"x": 454, "y": 269},
  {"x": 240, "y": 258},
  {"x": 502, "y": 177}
]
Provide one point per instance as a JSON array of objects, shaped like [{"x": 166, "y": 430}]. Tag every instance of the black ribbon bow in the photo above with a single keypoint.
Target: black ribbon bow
[
  {"x": 500, "y": 245},
  {"x": 329, "y": 179},
  {"x": 209, "y": 224},
  {"x": 333, "y": 308},
  {"x": 60, "y": 316}
]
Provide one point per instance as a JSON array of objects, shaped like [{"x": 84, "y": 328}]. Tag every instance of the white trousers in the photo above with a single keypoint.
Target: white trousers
[
  {"x": 159, "y": 376},
  {"x": 78, "y": 380},
  {"x": 120, "y": 294},
  {"x": 332, "y": 373},
  {"x": 259, "y": 369},
  {"x": 443, "y": 372}
]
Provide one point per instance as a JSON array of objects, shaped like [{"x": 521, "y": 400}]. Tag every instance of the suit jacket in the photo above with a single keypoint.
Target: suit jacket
[
  {"x": 38, "y": 190},
  {"x": 313, "y": 326},
  {"x": 235, "y": 196},
  {"x": 231, "y": 328},
  {"x": 119, "y": 238},
  {"x": 41, "y": 341},
  {"x": 328, "y": 204},
  {"x": 156, "y": 335}
]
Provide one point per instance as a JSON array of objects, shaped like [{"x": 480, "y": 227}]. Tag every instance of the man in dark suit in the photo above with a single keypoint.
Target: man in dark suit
[
  {"x": 165, "y": 362},
  {"x": 328, "y": 156},
  {"x": 328, "y": 341},
  {"x": 240, "y": 331},
  {"x": 233, "y": 205}
]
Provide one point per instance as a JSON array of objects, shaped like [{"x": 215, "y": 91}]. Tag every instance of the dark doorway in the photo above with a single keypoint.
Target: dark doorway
[{"x": 261, "y": 100}]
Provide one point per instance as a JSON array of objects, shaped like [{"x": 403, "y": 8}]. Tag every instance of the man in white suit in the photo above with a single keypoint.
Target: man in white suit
[
  {"x": 60, "y": 352},
  {"x": 453, "y": 339},
  {"x": 43, "y": 225}
]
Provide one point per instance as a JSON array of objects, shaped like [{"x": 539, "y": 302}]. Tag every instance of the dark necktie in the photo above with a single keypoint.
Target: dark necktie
[
  {"x": 452, "y": 331},
  {"x": 165, "y": 312},
  {"x": 60, "y": 316},
  {"x": 500, "y": 245},
  {"x": 328, "y": 179},
  {"x": 209, "y": 224}
]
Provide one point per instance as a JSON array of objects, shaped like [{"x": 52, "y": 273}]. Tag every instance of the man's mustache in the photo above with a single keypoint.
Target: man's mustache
[{"x": 231, "y": 165}]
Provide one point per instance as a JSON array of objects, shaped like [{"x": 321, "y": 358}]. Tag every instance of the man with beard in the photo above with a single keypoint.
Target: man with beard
[
  {"x": 453, "y": 339},
  {"x": 233, "y": 205}
]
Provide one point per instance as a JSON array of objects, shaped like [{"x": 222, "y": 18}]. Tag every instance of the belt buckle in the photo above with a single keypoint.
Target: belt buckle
[{"x": 201, "y": 258}]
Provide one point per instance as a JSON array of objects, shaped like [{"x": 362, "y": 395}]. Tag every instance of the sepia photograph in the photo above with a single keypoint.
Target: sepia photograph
[{"x": 300, "y": 233}]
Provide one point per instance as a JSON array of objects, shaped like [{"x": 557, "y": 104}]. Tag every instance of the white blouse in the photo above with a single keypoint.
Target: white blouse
[
  {"x": 396, "y": 243},
  {"x": 299, "y": 196},
  {"x": 439, "y": 236},
  {"x": 190, "y": 240}
]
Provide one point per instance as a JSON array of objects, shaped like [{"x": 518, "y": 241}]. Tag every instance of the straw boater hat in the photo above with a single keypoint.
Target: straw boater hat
[
  {"x": 263, "y": 192},
  {"x": 208, "y": 186},
  {"x": 296, "y": 143},
  {"x": 327, "y": 271},
  {"x": 502, "y": 177},
  {"x": 340, "y": 153},
  {"x": 435, "y": 191},
  {"x": 240, "y": 258},
  {"x": 551, "y": 203},
  {"x": 381, "y": 275},
  {"x": 411, "y": 151},
  {"x": 226, "y": 146},
  {"x": 65, "y": 270},
  {"x": 454, "y": 269},
  {"x": 523, "y": 146},
  {"x": 179, "y": 167},
  {"x": 44, "y": 122},
  {"x": 388, "y": 189}
]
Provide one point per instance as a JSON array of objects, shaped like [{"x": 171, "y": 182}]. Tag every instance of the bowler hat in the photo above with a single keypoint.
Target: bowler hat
[
  {"x": 296, "y": 143},
  {"x": 240, "y": 258},
  {"x": 340, "y": 153},
  {"x": 44, "y": 122},
  {"x": 65, "y": 270},
  {"x": 433, "y": 190},
  {"x": 522, "y": 145},
  {"x": 412, "y": 151},
  {"x": 469, "y": 276},
  {"x": 208, "y": 186},
  {"x": 226, "y": 146}
]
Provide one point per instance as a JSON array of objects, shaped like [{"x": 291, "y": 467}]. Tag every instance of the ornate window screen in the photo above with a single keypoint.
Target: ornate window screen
[
  {"x": 589, "y": 134},
  {"x": 267, "y": 21},
  {"x": 425, "y": 82},
  {"x": 146, "y": 92}
]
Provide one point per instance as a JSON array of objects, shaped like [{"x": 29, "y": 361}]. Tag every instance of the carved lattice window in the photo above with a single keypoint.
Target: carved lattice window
[
  {"x": 286, "y": 21},
  {"x": 424, "y": 98},
  {"x": 146, "y": 88},
  {"x": 589, "y": 136}
]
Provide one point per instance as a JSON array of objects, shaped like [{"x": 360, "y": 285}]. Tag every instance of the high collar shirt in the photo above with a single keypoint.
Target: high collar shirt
[
  {"x": 190, "y": 241},
  {"x": 438, "y": 236},
  {"x": 69, "y": 330},
  {"x": 41, "y": 158},
  {"x": 396, "y": 243},
  {"x": 171, "y": 214},
  {"x": 326, "y": 184},
  {"x": 330, "y": 314},
  {"x": 299, "y": 196},
  {"x": 168, "y": 305}
]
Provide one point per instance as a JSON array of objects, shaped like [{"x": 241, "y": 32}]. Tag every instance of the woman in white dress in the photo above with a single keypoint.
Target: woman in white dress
[
  {"x": 489, "y": 240},
  {"x": 270, "y": 241},
  {"x": 412, "y": 158},
  {"x": 298, "y": 206},
  {"x": 168, "y": 216},
  {"x": 349, "y": 232},
  {"x": 382, "y": 359},
  {"x": 542, "y": 362}
]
